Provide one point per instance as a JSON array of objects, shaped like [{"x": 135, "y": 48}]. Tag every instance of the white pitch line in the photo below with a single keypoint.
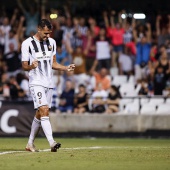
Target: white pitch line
[{"x": 93, "y": 147}]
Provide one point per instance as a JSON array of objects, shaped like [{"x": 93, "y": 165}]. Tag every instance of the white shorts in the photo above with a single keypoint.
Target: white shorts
[{"x": 41, "y": 96}]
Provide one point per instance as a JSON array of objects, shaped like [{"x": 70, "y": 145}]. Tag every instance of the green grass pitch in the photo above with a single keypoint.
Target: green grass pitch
[{"x": 87, "y": 154}]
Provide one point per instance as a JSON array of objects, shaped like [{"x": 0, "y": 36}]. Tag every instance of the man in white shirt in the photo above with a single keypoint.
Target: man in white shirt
[{"x": 38, "y": 57}]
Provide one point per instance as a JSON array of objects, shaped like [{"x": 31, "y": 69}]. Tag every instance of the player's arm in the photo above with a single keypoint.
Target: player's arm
[
  {"x": 27, "y": 67},
  {"x": 57, "y": 66}
]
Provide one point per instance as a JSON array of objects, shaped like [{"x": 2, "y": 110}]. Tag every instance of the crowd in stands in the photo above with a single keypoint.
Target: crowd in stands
[{"x": 115, "y": 47}]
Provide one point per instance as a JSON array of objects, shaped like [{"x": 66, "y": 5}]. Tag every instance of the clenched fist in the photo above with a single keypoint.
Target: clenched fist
[
  {"x": 34, "y": 64},
  {"x": 70, "y": 67}
]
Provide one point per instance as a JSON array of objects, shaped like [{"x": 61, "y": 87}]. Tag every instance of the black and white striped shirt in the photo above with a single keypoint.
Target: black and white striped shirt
[{"x": 43, "y": 51}]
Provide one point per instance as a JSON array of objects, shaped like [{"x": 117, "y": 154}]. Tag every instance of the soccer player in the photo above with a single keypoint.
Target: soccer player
[{"x": 38, "y": 57}]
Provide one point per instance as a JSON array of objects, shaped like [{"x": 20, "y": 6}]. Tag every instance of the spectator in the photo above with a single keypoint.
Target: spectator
[
  {"x": 4, "y": 81},
  {"x": 31, "y": 16},
  {"x": 162, "y": 29},
  {"x": 22, "y": 81},
  {"x": 81, "y": 100},
  {"x": 144, "y": 88},
  {"x": 15, "y": 90},
  {"x": 93, "y": 26},
  {"x": 4, "y": 31},
  {"x": 101, "y": 77},
  {"x": 164, "y": 63},
  {"x": 115, "y": 32},
  {"x": 143, "y": 52},
  {"x": 13, "y": 61},
  {"x": 62, "y": 56},
  {"x": 103, "y": 48},
  {"x": 66, "y": 103},
  {"x": 80, "y": 62},
  {"x": 89, "y": 49},
  {"x": 10, "y": 39},
  {"x": 113, "y": 100},
  {"x": 125, "y": 63},
  {"x": 99, "y": 97},
  {"x": 159, "y": 81},
  {"x": 82, "y": 27}
]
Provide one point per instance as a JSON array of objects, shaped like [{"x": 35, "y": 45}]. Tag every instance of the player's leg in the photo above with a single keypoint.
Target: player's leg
[
  {"x": 36, "y": 124},
  {"x": 44, "y": 117}
]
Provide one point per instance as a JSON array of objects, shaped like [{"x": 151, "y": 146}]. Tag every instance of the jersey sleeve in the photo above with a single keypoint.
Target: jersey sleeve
[{"x": 25, "y": 51}]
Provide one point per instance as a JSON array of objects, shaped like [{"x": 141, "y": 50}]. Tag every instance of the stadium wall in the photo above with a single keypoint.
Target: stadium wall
[
  {"x": 120, "y": 123},
  {"x": 16, "y": 119}
]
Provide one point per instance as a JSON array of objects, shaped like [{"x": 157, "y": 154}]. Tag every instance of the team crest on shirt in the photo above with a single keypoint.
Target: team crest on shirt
[{"x": 50, "y": 47}]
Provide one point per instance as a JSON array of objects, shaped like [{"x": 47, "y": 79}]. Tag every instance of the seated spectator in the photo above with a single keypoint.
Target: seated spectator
[
  {"x": 81, "y": 100},
  {"x": 101, "y": 77},
  {"x": 4, "y": 88},
  {"x": 22, "y": 80},
  {"x": 113, "y": 100},
  {"x": 99, "y": 98},
  {"x": 66, "y": 103},
  {"x": 16, "y": 91},
  {"x": 144, "y": 88}
]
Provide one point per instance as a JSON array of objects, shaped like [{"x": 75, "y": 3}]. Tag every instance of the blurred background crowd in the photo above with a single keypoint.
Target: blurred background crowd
[{"x": 116, "y": 55}]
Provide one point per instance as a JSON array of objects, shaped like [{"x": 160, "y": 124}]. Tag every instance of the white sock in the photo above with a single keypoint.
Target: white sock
[
  {"x": 36, "y": 123},
  {"x": 45, "y": 123}
]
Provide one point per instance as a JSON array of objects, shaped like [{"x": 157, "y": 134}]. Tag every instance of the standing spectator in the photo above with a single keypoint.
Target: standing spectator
[
  {"x": 31, "y": 16},
  {"x": 162, "y": 29},
  {"x": 4, "y": 31},
  {"x": 81, "y": 100},
  {"x": 125, "y": 63},
  {"x": 82, "y": 27},
  {"x": 143, "y": 52},
  {"x": 101, "y": 77},
  {"x": 89, "y": 49},
  {"x": 115, "y": 32},
  {"x": 62, "y": 56},
  {"x": 12, "y": 61},
  {"x": 164, "y": 63},
  {"x": 93, "y": 26},
  {"x": 66, "y": 103},
  {"x": 78, "y": 58},
  {"x": 159, "y": 81},
  {"x": 103, "y": 48},
  {"x": 10, "y": 39}
]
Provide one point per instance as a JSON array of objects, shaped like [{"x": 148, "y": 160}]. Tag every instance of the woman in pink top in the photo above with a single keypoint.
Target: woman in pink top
[{"x": 115, "y": 33}]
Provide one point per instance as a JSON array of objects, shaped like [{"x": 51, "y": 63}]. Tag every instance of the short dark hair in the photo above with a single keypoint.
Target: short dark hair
[{"x": 45, "y": 22}]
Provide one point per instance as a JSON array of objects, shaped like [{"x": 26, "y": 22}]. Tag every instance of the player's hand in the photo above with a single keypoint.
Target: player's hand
[
  {"x": 70, "y": 67},
  {"x": 34, "y": 64}
]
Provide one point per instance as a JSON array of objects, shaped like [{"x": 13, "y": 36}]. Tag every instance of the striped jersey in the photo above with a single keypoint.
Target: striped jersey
[{"x": 42, "y": 51}]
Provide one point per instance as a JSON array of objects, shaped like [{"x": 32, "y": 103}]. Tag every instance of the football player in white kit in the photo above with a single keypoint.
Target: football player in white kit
[{"x": 39, "y": 58}]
